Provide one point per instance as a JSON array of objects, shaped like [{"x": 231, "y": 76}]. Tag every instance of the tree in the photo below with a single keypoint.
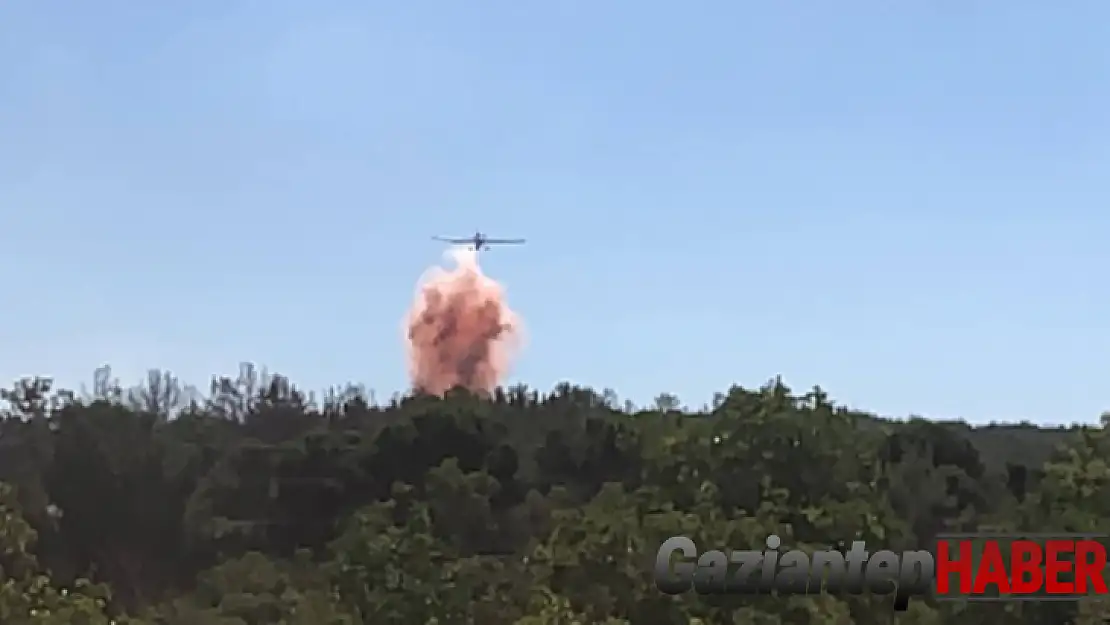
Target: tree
[
  {"x": 259, "y": 505},
  {"x": 28, "y": 596}
]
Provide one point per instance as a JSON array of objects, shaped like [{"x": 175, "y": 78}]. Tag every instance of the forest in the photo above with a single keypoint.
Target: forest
[{"x": 257, "y": 503}]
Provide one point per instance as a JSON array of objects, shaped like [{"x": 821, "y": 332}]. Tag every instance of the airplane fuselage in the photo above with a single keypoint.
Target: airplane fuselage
[{"x": 479, "y": 242}]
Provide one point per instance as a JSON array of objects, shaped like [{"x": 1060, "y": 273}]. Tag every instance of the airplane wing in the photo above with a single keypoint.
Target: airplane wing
[
  {"x": 450, "y": 240},
  {"x": 505, "y": 241}
]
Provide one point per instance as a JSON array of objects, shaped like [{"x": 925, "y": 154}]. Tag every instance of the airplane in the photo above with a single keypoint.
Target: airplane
[{"x": 479, "y": 241}]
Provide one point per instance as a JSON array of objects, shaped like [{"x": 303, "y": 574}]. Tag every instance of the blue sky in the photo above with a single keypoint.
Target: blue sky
[{"x": 905, "y": 203}]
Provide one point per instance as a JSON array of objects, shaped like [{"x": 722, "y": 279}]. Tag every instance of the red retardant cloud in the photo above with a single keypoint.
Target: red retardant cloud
[{"x": 460, "y": 331}]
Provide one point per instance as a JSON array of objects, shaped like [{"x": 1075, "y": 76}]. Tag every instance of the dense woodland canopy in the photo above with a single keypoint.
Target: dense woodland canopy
[{"x": 259, "y": 504}]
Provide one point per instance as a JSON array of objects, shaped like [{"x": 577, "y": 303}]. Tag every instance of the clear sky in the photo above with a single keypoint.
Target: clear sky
[{"x": 904, "y": 202}]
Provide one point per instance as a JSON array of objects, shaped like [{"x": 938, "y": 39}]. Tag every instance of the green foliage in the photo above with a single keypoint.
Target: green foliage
[
  {"x": 259, "y": 505},
  {"x": 27, "y": 595}
]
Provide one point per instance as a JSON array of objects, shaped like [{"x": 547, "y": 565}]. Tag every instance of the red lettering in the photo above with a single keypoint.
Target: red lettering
[
  {"x": 946, "y": 567},
  {"x": 1053, "y": 566},
  {"x": 1032, "y": 567},
  {"x": 1090, "y": 564},
  {"x": 991, "y": 570},
  {"x": 1026, "y": 576}
]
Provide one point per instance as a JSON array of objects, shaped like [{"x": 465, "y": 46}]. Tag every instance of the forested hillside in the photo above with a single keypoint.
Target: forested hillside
[{"x": 258, "y": 504}]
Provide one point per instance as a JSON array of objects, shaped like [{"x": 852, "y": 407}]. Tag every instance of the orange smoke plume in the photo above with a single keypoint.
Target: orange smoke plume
[{"x": 460, "y": 331}]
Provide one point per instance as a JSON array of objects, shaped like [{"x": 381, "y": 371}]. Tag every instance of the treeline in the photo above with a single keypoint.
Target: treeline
[{"x": 258, "y": 504}]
